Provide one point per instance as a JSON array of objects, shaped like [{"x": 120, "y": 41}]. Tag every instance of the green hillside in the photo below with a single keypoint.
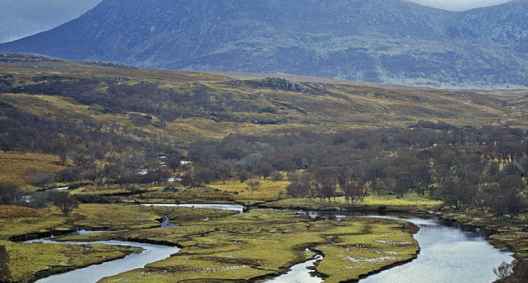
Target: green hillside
[{"x": 183, "y": 107}]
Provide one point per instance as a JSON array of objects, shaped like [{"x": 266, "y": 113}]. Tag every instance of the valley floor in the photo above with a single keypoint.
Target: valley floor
[{"x": 215, "y": 245}]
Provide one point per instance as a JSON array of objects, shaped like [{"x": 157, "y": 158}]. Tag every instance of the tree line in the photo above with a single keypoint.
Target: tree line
[{"x": 464, "y": 166}]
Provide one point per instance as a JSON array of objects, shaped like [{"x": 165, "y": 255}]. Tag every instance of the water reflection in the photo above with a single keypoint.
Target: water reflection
[
  {"x": 300, "y": 273},
  {"x": 447, "y": 255}
]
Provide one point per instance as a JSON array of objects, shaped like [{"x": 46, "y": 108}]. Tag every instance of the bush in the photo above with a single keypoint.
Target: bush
[
  {"x": 69, "y": 175},
  {"x": 39, "y": 200},
  {"x": 10, "y": 193},
  {"x": 38, "y": 178},
  {"x": 277, "y": 176}
]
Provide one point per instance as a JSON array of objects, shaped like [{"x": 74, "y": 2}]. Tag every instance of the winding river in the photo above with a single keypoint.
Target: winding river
[
  {"x": 448, "y": 254},
  {"x": 150, "y": 253}
]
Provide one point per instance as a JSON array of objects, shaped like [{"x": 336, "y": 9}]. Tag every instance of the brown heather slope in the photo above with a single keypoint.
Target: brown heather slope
[{"x": 185, "y": 106}]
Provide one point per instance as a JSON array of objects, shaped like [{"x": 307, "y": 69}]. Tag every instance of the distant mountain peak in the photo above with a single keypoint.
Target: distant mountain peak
[{"x": 391, "y": 41}]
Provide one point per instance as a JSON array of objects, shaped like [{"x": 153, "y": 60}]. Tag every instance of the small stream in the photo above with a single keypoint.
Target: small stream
[
  {"x": 229, "y": 207},
  {"x": 448, "y": 254},
  {"x": 91, "y": 274}
]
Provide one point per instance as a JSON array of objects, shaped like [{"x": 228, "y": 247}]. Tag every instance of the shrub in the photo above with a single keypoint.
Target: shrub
[{"x": 9, "y": 193}]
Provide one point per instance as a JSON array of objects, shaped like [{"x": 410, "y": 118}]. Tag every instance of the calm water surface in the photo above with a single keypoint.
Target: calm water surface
[
  {"x": 300, "y": 273},
  {"x": 448, "y": 255},
  {"x": 230, "y": 207}
]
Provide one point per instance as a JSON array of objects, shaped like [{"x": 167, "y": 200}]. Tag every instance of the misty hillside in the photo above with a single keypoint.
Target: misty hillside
[{"x": 389, "y": 41}]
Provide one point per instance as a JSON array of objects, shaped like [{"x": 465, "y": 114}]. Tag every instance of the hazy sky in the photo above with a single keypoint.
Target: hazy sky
[
  {"x": 24, "y": 17},
  {"x": 459, "y": 5},
  {"x": 20, "y": 18}
]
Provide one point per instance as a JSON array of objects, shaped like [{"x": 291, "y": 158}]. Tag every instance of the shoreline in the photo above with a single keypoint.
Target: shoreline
[{"x": 486, "y": 231}]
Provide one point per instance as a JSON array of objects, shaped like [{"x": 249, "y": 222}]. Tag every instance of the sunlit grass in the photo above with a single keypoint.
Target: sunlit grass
[
  {"x": 267, "y": 189},
  {"x": 14, "y": 166},
  {"x": 264, "y": 242}
]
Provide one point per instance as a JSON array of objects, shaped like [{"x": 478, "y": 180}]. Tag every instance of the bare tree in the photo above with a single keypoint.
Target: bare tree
[
  {"x": 64, "y": 202},
  {"x": 352, "y": 188},
  {"x": 326, "y": 183},
  {"x": 300, "y": 185},
  {"x": 253, "y": 184}
]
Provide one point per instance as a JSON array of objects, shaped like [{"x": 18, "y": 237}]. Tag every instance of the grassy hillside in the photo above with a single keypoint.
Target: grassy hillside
[
  {"x": 113, "y": 119},
  {"x": 280, "y": 143},
  {"x": 188, "y": 106},
  {"x": 18, "y": 166}
]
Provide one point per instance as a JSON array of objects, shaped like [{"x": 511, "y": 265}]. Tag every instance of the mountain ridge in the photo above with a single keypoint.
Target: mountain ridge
[{"x": 376, "y": 41}]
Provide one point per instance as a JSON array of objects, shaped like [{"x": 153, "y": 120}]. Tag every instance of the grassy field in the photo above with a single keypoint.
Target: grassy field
[
  {"x": 14, "y": 166},
  {"x": 26, "y": 261},
  {"x": 391, "y": 203},
  {"x": 266, "y": 191},
  {"x": 185, "y": 195},
  {"x": 270, "y": 193},
  {"x": 266, "y": 242},
  {"x": 16, "y": 220},
  {"x": 216, "y": 245}
]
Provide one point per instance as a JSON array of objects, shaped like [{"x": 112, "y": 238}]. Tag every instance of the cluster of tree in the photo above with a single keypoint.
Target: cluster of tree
[
  {"x": 5, "y": 275},
  {"x": 110, "y": 152},
  {"x": 276, "y": 83},
  {"x": 124, "y": 96},
  {"x": 97, "y": 152},
  {"x": 466, "y": 167},
  {"x": 12, "y": 194},
  {"x": 327, "y": 183}
]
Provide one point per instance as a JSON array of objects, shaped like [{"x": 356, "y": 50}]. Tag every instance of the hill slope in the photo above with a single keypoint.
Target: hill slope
[
  {"x": 187, "y": 106},
  {"x": 112, "y": 122},
  {"x": 381, "y": 41}
]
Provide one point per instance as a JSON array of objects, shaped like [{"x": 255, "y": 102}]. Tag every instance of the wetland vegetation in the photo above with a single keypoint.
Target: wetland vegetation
[{"x": 89, "y": 146}]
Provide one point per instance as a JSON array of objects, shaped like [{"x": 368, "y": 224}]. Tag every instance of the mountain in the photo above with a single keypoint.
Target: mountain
[{"x": 389, "y": 41}]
